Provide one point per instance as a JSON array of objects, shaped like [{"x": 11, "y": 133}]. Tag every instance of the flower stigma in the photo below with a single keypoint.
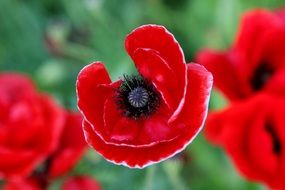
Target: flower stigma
[{"x": 138, "y": 97}]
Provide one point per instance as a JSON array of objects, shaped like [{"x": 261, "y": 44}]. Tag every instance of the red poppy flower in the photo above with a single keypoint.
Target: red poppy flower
[
  {"x": 256, "y": 140},
  {"x": 81, "y": 182},
  {"x": 27, "y": 184},
  {"x": 256, "y": 62},
  {"x": 143, "y": 119},
  {"x": 71, "y": 146},
  {"x": 30, "y": 124}
]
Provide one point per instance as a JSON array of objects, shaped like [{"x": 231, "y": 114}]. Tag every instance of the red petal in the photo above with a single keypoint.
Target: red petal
[
  {"x": 137, "y": 157},
  {"x": 10, "y": 165},
  {"x": 13, "y": 88},
  {"x": 214, "y": 128},
  {"x": 16, "y": 85},
  {"x": 111, "y": 115},
  {"x": 157, "y": 38},
  {"x": 53, "y": 125},
  {"x": 258, "y": 30},
  {"x": 236, "y": 140},
  {"x": 220, "y": 126},
  {"x": 272, "y": 48},
  {"x": 254, "y": 26},
  {"x": 156, "y": 129},
  {"x": 153, "y": 67},
  {"x": 24, "y": 184},
  {"x": 71, "y": 147},
  {"x": 125, "y": 130},
  {"x": 225, "y": 74},
  {"x": 242, "y": 132},
  {"x": 193, "y": 107},
  {"x": 276, "y": 84},
  {"x": 281, "y": 14},
  {"x": 93, "y": 88},
  {"x": 272, "y": 165},
  {"x": 136, "y": 133},
  {"x": 81, "y": 183},
  {"x": 260, "y": 146},
  {"x": 19, "y": 128}
]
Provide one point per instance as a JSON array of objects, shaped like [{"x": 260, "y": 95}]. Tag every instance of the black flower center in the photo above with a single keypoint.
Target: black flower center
[
  {"x": 276, "y": 147},
  {"x": 137, "y": 97},
  {"x": 261, "y": 75}
]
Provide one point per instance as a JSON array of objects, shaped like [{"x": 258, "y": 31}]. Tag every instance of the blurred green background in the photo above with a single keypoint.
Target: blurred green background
[{"x": 51, "y": 40}]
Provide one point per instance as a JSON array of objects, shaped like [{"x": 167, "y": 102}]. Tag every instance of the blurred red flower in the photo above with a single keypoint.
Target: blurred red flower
[
  {"x": 256, "y": 62},
  {"x": 27, "y": 184},
  {"x": 71, "y": 146},
  {"x": 81, "y": 183},
  {"x": 30, "y": 125},
  {"x": 140, "y": 120},
  {"x": 251, "y": 74},
  {"x": 253, "y": 135}
]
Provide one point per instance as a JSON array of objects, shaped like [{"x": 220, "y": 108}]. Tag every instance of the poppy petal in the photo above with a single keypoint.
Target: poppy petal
[
  {"x": 157, "y": 38},
  {"x": 27, "y": 184},
  {"x": 193, "y": 108},
  {"x": 81, "y": 182},
  {"x": 252, "y": 23},
  {"x": 257, "y": 133},
  {"x": 224, "y": 72},
  {"x": 125, "y": 130},
  {"x": 136, "y": 157},
  {"x": 71, "y": 146},
  {"x": 151, "y": 66},
  {"x": 10, "y": 165},
  {"x": 156, "y": 129},
  {"x": 93, "y": 88},
  {"x": 136, "y": 133}
]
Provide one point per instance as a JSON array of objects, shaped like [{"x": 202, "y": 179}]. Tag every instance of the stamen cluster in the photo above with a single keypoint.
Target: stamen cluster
[{"x": 137, "y": 97}]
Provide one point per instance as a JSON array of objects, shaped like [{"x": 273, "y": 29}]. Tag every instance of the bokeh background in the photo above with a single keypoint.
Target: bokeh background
[{"x": 51, "y": 40}]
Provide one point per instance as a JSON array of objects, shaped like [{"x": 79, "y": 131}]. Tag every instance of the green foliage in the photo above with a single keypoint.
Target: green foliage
[{"x": 52, "y": 40}]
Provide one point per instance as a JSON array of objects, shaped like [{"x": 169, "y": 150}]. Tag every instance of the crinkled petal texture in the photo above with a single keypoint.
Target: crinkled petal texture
[
  {"x": 253, "y": 135},
  {"x": 81, "y": 183},
  {"x": 184, "y": 90},
  {"x": 256, "y": 62},
  {"x": 30, "y": 124},
  {"x": 71, "y": 146}
]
